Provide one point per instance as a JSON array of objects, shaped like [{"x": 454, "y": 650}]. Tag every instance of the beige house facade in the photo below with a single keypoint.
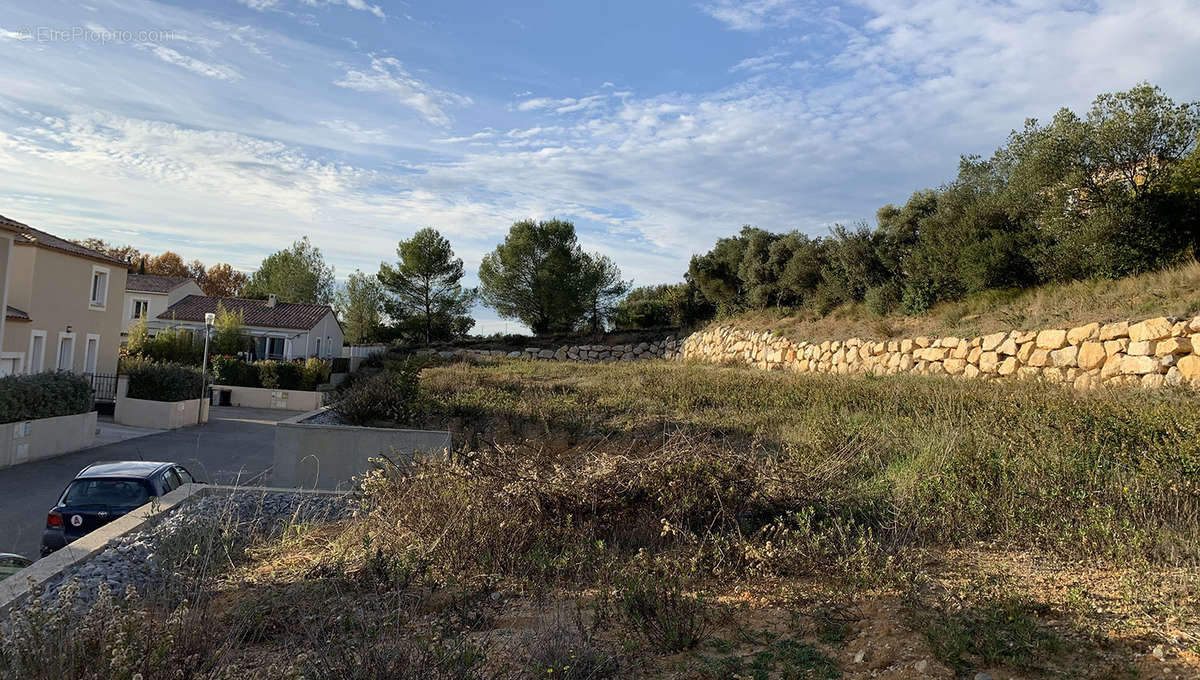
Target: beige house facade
[
  {"x": 147, "y": 296},
  {"x": 62, "y": 304}
]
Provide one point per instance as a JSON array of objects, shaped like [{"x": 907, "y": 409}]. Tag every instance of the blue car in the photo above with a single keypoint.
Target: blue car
[{"x": 102, "y": 492}]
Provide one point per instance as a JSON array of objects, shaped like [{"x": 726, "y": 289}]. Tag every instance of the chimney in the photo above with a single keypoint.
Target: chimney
[{"x": 272, "y": 300}]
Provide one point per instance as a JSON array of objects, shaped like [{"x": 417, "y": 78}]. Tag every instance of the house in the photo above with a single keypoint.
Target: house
[
  {"x": 279, "y": 330},
  {"x": 148, "y": 295},
  {"x": 62, "y": 304}
]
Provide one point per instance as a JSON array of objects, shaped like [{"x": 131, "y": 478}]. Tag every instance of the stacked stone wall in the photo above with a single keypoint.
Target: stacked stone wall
[{"x": 1152, "y": 353}]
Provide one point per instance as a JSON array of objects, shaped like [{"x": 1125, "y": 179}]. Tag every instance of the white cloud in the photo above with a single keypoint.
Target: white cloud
[
  {"x": 197, "y": 66},
  {"x": 387, "y": 74},
  {"x": 260, "y": 5},
  {"x": 478, "y": 136},
  {"x": 6, "y": 34},
  {"x": 352, "y": 4},
  {"x": 754, "y": 15},
  {"x": 563, "y": 105},
  {"x": 766, "y": 62}
]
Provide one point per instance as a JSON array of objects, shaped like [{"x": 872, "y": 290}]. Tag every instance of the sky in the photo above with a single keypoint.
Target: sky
[{"x": 226, "y": 129}]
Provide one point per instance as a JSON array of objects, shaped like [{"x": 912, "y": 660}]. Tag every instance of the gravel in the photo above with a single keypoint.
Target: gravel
[
  {"x": 326, "y": 417},
  {"x": 132, "y": 559}
]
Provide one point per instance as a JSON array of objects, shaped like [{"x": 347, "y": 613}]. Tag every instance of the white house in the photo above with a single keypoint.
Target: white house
[
  {"x": 280, "y": 330},
  {"x": 148, "y": 295}
]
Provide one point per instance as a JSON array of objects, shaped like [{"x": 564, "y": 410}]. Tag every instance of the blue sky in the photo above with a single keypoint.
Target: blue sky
[{"x": 225, "y": 129}]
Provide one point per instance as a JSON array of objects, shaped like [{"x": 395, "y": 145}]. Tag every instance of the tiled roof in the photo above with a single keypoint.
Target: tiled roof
[
  {"x": 29, "y": 236},
  {"x": 14, "y": 314},
  {"x": 255, "y": 312},
  {"x": 152, "y": 283}
]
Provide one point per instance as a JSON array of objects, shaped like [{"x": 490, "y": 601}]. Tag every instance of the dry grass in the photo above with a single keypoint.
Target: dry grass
[{"x": 1171, "y": 292}]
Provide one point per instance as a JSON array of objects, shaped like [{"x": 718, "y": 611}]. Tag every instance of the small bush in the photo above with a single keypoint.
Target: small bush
[
  {"x": 657, "y": 607},
  {"x": 569, "y": 653},
  {"x": 279, "y": 375},
  {"x": 234, "y": 371},
  {"x": 172, "y": 345},
  {"x": 387, "y": 398},
  {"x": 314, "y": 372},
  {"x": 43, "y": 395},
  {"x": 161, "y": 382}
]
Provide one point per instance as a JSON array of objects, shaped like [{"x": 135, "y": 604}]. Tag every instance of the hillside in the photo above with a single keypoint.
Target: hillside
[{"x": 1170, "y": 292}]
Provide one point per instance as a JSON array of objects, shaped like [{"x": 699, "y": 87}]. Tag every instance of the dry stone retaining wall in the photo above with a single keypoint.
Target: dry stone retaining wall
[{"x": 1152, "y": 353}]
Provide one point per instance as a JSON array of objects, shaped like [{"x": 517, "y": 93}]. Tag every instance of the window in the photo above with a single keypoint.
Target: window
[
  {"x": 171, "y": 480},
  {"x": 91, "y": 352},
  {"x": 184, "y": 475},
  {"x": 66, "y": 352},
  {"x": 318, "y": 346},
  {"x": 274, "y": 348},
  {"x": 10, "y": 363},
  {"x": 37, "y": 351},
  {"x": 99, "y": 294},
  {"x": 140, "y": 309},
  {"x": 328, "y": 346},
  {"x": 121, "y": 493}
]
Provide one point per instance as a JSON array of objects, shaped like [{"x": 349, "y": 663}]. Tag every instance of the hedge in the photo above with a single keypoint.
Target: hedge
[
  {"x": 275, "y": 375},
  {"x": 161, "y": 382},
  {"x": 43, "y": 395}
]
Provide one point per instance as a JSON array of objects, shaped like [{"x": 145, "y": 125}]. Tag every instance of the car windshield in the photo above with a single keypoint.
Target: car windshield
[{"x": 118, "y": 492}]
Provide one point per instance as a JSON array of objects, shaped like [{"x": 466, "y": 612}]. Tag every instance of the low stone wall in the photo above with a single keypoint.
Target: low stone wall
[
  {"x": 320, "y": 455},
  {"x": 1151, "y": 353},
  {"x": 32, "y": 440},
  {"x": 262, "y": 397},
  {"x": 667, "y": 348}
]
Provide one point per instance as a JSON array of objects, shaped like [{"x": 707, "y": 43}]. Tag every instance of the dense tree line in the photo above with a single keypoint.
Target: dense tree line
[{"x": 1110, "y": 194}]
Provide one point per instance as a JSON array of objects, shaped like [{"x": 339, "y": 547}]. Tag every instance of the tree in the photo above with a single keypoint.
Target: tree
[
  {"x": 424, "y": 287},
  {"x": 124, "y": 253},
  {"x": 167, "y": 264},
  {"x": 537, "y": 276},
  {"x": 228, "y": 337},
  {"x": 297, "y": 274},
  {"x": 359, "y": 304},
  {"x": 218, "y": 280},
  {"x": 602, "y": 288}
]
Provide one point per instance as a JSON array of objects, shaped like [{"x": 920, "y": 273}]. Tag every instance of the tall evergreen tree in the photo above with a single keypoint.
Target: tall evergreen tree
[{"x": 424, "y": 287}]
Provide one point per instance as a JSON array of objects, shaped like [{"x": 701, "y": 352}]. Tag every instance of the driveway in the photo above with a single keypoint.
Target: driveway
[{"x": 235, "y": 447}]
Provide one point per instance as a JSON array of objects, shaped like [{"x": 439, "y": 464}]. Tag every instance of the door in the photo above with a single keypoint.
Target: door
[{"x": 89, "y": 357}]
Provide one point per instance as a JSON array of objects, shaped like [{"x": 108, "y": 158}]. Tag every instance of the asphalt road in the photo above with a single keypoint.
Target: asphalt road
[{"x": 236, "y": 446}]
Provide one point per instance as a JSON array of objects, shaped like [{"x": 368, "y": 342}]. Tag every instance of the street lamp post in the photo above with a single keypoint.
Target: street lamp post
[{"x": 209, "y": 318}]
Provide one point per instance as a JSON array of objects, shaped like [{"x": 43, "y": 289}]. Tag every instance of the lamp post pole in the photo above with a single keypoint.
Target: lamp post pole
[{"x": 209, "y": 318}]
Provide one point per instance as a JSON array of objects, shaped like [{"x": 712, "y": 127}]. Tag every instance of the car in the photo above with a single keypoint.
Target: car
[
  {"x": 103, "y": 492},
  {"x": 11, "y": 563}
]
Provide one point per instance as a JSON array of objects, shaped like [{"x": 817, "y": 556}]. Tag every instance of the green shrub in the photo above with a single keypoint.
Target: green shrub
[
  {"x": 657, "y": 607},
  {"x": 43, "y": 395},
  {"x": 385, "y": 398},
  {"x": 314, "y": 372},
  {"x": 171, "y": 345},
  {"x": 279, "y": 375},
  {"x": 234, "y": 371},
  {"x": 161, "y": 382}
]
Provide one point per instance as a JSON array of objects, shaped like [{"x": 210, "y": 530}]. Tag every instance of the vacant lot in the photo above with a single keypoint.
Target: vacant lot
[{"x": 691, "y": 521}]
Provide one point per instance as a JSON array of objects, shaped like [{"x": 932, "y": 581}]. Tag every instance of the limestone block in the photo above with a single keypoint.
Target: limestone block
[
  {"x": 974, "y": 354},
  {"x": 954, "y": 366},
  {"x": 991, "y": 342},
  {"x": 1153, "y": 380},
  {"x": 935, "y": 368},
  {"x": 961, "y": 350},
  {"x": 906, "y": 345},
  {"x": 1112, "y": 365},
  {"x": 906, "y": 363},
  {"x": 1112, "y": 331},
  {"x": 1112, "y": 347},
  {"x": 1189, "y": 367},
  {"x": 1140, "y": 348},
  {"x": 1024, "y": 351},
  {"x": 1082, "y": 382},
  {"x": 1037, "y": 358},
  {"x": 1169, "y": 360},
  {"x": 922, "y": 341},
  {"x": 988, "y": 361},
  {"x": 949, "y": 342},
  {"x": 1091, "y": 355},
  {"x": 1194, "y": 325},
  {"x": 1009, "y": 366},
  {"x": 1082, "y": 334},
  {"x": 1054, "y": 374},
  {"x": 1172, "y": 346},
  {"x": 1173, "y": 378},
  {"x": 1024, "y": 336},
  {"x": 1151, "y": 329},
  {"x": 1008, "y": 347},
  {"x": 970, "y": 371},
  {"x": 1051, "y": 339},
  {"x": 1139, "y": 365},
  {"x": 1029, "y": 372},
  {"x": 1065, "y": 357},
  {"x": 893, "y": 346}
]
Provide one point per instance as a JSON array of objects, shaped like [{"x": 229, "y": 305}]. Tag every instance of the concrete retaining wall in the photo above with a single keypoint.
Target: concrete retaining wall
[
  {"x": 46, "y": 437},
  {"x": 157, "y": 415},
  {"x": 318, "y": 456},
  {"x": 261, "y": 397}
]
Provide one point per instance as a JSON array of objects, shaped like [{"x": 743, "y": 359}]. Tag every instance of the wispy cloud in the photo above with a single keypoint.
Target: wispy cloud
[
  {"x": 766, "y": 62},
  {"x": 197, "y": 66},
  {"x": 754, "y": 15},
  {"x": 388, "y": 75},
  {"x": 352, "y": 4}
]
